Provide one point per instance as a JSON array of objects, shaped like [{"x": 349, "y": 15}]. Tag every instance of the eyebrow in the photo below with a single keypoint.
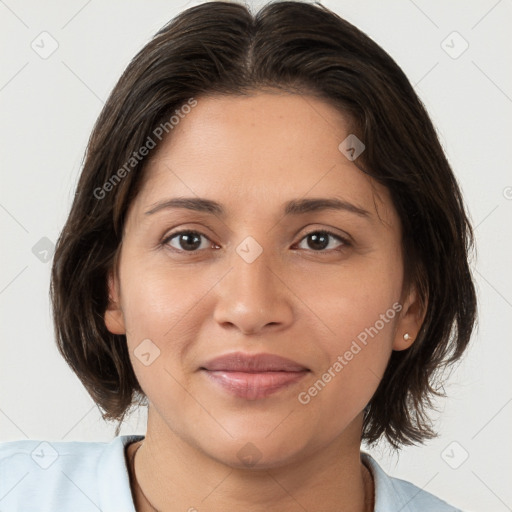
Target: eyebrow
[{"x": 293, "y": 207}]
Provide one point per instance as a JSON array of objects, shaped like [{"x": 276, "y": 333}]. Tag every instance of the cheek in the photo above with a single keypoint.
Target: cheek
[
  {"x": 356, "y": 313},
  {"x": 352, "y": 299},
  {"x": 353, "y": 360},
  {"x": 156, "y": 299},
  {"x": 162, "y": 307}
]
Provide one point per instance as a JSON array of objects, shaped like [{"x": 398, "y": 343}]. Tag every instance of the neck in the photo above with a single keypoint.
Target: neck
[{"x": 171, "y": 474}]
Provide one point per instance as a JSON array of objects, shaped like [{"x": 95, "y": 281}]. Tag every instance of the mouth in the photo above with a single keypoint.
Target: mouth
[{"x": 255, "y": 376}]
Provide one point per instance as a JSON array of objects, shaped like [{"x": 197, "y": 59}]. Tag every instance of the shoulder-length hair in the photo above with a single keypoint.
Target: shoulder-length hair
[{"x": 223, "y": 48}]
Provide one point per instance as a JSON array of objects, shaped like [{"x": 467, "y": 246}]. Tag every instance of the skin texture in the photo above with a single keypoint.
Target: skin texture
[{"x": 296, "y": 299}]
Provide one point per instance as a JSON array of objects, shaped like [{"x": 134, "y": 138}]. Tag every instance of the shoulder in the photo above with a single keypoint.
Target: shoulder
[
  {"x": 50, "y": 475},
  {"x": 396, "y": 494}
]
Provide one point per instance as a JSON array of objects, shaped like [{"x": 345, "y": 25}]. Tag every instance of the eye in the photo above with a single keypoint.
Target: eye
[
  {"x": 320, "y": 240},
  {"x": 189, "y": 241}
]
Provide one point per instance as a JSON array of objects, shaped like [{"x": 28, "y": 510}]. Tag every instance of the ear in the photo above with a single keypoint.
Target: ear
[
  {"x": 410, "y": 321},
  {"x": 114, "y": 319}
]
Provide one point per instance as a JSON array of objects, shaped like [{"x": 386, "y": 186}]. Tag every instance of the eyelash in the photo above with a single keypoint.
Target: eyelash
[{"x": 344, "y": 241}]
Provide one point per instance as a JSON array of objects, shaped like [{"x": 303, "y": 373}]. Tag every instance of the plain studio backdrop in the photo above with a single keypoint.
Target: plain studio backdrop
[{"x": 60, "y": 60}]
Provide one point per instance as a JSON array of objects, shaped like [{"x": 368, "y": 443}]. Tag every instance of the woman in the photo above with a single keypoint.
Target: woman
[{"x": 268, "y": 247}]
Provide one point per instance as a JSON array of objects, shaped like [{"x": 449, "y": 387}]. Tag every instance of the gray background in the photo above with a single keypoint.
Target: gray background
[{"x": 48, "y": 107}]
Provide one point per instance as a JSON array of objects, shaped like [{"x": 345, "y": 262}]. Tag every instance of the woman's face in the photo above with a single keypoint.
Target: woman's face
[{"x": 257, "y": 273}]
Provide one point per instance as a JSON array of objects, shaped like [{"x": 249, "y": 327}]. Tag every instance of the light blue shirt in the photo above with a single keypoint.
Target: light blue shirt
[{"x": 78, "y": 476}]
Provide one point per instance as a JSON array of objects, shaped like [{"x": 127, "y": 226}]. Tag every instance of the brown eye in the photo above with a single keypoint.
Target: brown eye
[
  {"x": 320, "y": 240},
  {"x": 189, "y": 241}
]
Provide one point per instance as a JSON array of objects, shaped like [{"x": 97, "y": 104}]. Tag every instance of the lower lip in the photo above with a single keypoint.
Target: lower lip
[{"x": 254, "y": 386}]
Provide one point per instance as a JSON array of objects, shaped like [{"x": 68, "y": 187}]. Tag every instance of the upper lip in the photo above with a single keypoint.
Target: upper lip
[{"x": 253, "y": 363}]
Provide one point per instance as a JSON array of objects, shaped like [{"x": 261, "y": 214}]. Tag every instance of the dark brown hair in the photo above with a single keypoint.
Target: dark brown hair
[{"x": 222, "y": 48}]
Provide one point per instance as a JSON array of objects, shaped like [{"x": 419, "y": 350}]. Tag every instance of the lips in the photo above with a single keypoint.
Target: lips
[
  {"x": 253, "y": 376},
  {"x": 240, "y": 362}
]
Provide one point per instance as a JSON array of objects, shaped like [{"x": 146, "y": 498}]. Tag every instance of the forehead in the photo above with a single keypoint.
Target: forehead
[{"x": 268, "y": 148}]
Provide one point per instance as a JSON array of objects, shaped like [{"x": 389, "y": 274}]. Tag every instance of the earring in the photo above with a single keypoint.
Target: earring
[{"x": 407, "y": 337}]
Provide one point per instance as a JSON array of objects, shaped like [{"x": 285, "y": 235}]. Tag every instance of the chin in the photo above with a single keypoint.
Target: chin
[{"x": 257, "y": 451}]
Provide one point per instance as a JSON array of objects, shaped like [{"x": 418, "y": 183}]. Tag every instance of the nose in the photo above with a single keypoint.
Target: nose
[{"x": 253, "y": 297}]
